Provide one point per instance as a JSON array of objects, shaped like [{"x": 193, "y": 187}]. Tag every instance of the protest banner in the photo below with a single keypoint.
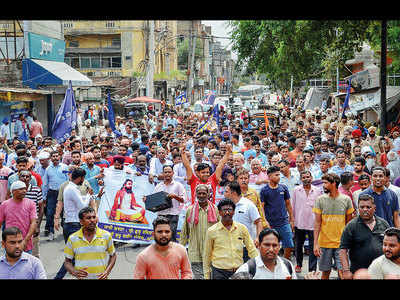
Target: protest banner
[{"x": 122, "y": 210}]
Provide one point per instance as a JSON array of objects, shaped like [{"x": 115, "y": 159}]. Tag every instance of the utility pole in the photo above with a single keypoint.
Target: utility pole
[
  {"x": 150, "y": 72},
  {"x": 383, "y": 116},
  {"x": 191, "y": 68},
  {"x": 291, "y": 90}
]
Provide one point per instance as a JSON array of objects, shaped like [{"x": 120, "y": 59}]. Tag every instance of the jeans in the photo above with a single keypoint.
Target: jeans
[
  {"x": 197, "y": 269},
  {"x": 220, "y": 273},
  {"x": 69, "y": 228},
  {"x": 246, "y": 256},
  {"x": 300, "y": 237},
  {"x": 51, "y": 204}
]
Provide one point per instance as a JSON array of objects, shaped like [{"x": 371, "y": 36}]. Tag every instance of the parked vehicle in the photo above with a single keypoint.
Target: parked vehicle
[{"x": 251, "y": 104}]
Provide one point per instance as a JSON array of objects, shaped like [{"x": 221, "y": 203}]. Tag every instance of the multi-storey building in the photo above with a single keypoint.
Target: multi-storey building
[{"x": 118, "y": 51}]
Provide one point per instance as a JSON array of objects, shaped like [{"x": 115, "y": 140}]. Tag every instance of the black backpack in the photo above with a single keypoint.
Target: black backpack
[{"x": 252, "y": 266}]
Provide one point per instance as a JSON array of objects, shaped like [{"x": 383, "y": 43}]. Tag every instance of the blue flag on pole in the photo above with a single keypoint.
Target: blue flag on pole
[
  {"x": 209, "y": 98},
  {"x": 215, "y": 113},
  {"x": 346, "y": 100},
  {"x": 181, "y": 99},
  {"x": 111, "y": 117},
  {"x": 65, "y": 119},
  {"x": 212, "y": 121}
]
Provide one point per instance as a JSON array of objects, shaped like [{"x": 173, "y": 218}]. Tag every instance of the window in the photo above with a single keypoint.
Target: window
[
  {"x": 68, "y": 25},
  {"x": 95, "y": 62},
  {"x": 106, "y": 62},
  {"x": 116, "y": 62},
  {"x": 75, "y": 62},
  {"x": 116, "y": 43},
  {"x": 73, "y": 43},
  {"x": 85, "y": 62},
  {"x": 110, "y": 24}
]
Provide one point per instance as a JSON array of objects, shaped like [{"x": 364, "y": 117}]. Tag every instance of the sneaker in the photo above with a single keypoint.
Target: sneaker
[
  {"x": 298, "y": 269},
  {"x": 51, "y": 236}
]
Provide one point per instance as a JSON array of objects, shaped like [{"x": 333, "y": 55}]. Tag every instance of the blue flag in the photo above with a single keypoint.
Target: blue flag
[
  {"x": 65, "y": 119},
  {"x": 209, "y": 98},
  {"x": 212, "y": 121},
  {"x": 346, "y": 100},
  {"x": 215, "y": 113},
  {"x": 111, "y": 117},
  {"x": 181, "y": 99}
]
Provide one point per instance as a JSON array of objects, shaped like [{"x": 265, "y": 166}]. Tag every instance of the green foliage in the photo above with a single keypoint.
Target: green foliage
[
  {"x": 183, "y": 52},
  {"x": 302, "y": 48}
]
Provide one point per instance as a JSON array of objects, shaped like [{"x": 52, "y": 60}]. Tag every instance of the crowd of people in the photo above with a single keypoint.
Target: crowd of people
[{"x": 260, "y": 196}]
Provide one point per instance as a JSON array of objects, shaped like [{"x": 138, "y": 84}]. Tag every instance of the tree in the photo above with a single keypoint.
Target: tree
[
  {"x": 302, "y": 48},
  {"x": 183, "y": 52}
]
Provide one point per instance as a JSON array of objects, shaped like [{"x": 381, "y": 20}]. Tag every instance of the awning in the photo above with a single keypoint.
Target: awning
[
  {"x": 43, "y": 72},
  {"x": 143, "y": 99},
  {"x": 11, "y": 94}
]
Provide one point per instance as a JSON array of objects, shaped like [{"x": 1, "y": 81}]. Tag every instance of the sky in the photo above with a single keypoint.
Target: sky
[{"x": 219, "y": 28}]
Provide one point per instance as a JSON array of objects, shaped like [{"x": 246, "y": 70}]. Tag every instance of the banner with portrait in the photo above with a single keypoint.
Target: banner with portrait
[{"x": 122, "y": 209}]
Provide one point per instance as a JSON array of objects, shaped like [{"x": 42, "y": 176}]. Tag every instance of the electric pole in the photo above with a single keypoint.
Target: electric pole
[
  {"x": 191, "y": 67},
  {"x": 383, "y": 116},
  {"x": 150, "y": 72}
]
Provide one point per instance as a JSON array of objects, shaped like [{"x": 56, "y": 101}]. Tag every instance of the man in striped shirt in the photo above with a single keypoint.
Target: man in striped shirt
[
  {"x": 34, "y": 193},
  {"x": 90, "y": 247}
]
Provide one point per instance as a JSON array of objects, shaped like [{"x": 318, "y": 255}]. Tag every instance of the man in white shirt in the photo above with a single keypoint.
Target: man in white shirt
[
  {"x": 157, "y": 163},
  {"x": 176, "y": 191},
  {"x": 268, "y": 265},
  {"x": 387, "y": 266},
  {"x": 391, "y": 186},
  {"x": 246, "y": 213},
  {"x": 73, "y": 203}
]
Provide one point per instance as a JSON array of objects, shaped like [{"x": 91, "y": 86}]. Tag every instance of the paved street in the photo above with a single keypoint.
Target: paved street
[{"x": 51, "y": 254}]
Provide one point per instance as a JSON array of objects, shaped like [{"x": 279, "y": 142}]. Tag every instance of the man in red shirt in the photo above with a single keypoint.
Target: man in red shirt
[
  {"x": 30, "y": 165},
  {"x": 204, "y": 171},
  {"x": 164, "y": 259},
  {"x": 36, "y": 128},
  {"x": 359, "y": 165}
]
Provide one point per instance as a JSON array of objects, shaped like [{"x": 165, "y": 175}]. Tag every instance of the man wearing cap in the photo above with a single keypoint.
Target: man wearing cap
[
  {"x": 357, "y": 141},
  {"x": 44, "y": 162},
  {"x": 135, "y": 136},
  {"x": 88, "y": 131},
  {"x": 373, "y": 139},
  {"x": 20, "y": 212}
]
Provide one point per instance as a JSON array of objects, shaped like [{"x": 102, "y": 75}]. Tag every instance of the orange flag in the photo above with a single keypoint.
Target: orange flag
[{"x": 266, "y": 122}]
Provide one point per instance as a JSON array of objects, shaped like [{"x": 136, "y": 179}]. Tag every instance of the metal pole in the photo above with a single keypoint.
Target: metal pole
[
  {"x": 291, "y": 90},
  {"x": 191, "y": 75},
  {"x": 150, "y": 73},
  {"x": 383, "y": 117},
  {"x": 15, "y": 41},
  {"x": 337, "y": 80}
]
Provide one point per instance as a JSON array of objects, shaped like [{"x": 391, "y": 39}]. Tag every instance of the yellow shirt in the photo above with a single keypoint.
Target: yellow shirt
[
  {"x": 93, "y": 254},
  {"x": 224, "y": 248},
  {"x": 252, "y": 195},
  {"x": 333, "y": 212}
]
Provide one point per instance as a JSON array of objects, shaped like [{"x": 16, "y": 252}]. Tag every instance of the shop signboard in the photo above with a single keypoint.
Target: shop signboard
[{"x": 45, "y": 48}]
